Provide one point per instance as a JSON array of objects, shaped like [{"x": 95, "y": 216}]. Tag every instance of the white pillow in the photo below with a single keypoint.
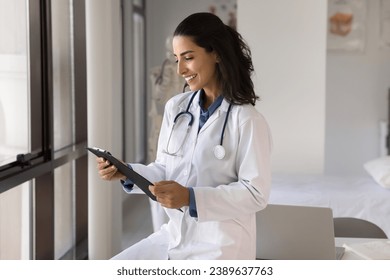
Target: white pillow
[{"x": 379, "y": 169}]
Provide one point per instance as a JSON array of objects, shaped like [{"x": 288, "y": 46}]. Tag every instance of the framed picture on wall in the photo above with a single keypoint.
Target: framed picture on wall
[
  {"x": 226, "y": 10},
  {"x": 346, "y": 25},
  {"x": 385, "y": 23}
]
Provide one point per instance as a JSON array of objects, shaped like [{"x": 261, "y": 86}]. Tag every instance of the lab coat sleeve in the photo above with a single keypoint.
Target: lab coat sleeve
[{"x": 250, "y": 192}]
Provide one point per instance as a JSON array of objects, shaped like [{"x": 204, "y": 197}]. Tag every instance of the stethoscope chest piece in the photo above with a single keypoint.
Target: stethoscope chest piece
[{"x": 219, "y": 152}]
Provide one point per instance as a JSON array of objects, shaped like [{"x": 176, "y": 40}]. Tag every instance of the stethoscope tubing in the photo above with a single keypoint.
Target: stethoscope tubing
[
  {"x": 224, "y": 124},
  {"x": 219, "y": 150}
]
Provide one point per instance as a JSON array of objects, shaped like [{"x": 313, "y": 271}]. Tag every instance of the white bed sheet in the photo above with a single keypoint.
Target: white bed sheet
[{"x": 359, "y": 197}]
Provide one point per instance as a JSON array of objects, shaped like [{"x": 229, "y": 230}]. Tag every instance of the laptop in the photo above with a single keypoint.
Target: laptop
[{"x": 289, "y": 232}]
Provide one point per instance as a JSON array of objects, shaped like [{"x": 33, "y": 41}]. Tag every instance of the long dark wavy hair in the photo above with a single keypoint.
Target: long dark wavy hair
[{"x": 235, "y": 66}]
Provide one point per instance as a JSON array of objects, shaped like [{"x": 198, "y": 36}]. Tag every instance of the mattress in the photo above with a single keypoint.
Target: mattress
[{"x": 359, "y": 197}]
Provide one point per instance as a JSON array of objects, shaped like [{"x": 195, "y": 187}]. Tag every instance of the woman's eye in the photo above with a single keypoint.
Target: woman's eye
[{"x": 185, "y": 58}]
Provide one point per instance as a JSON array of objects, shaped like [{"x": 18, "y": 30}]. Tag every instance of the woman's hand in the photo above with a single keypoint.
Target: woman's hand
[
  {"x": 107, "y": 171},
  {"x": 171, "y": 194}
]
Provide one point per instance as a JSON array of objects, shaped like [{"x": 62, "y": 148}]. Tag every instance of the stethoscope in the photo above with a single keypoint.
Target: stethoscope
[{"x": 219, "y": 150}]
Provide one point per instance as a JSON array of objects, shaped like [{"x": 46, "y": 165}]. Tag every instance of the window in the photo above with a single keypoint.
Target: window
[
  {"x": 13, "y": 80},
  {"x": 14, "y": 127},
  {"x": 135, "y": 82},
  {"x": 63, "y": 122},
  {"x": 43, "y": 163},
  {"x": 15, "y": 230}
]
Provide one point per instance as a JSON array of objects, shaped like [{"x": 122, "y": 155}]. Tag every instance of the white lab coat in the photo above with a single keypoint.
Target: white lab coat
[{"x": 228, "y": 192}]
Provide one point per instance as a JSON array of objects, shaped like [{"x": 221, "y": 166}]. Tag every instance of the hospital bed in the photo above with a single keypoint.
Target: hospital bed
[
  {"x": 366, "y": 197},
  {"x": 360, "y": 197}
]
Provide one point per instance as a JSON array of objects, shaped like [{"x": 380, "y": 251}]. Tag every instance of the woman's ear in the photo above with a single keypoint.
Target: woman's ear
[
  {"x": 216, "y": 57},
  {"x": 217, "y": 60}
]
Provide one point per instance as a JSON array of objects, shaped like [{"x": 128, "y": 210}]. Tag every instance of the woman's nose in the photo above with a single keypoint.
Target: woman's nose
[{"x": 181, "y": 69}]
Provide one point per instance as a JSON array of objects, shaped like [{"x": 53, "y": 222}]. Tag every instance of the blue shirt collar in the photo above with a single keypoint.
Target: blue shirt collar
[
  {"x": 217, "y": 102},
  {"x": 205, "y": 114}
]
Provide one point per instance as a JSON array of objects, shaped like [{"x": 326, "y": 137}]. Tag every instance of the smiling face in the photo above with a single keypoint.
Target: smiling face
[{"x": 196, "y": 65}]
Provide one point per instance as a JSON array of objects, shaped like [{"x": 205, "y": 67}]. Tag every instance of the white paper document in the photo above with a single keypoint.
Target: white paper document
[{"x": 373, "y": 250}]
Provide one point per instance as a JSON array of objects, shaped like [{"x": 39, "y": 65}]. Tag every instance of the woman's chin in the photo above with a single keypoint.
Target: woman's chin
[{"x": 193, "y": 87}]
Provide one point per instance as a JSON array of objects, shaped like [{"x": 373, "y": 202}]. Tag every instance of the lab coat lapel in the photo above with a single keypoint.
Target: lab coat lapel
[{"x": 217, "y": 114}]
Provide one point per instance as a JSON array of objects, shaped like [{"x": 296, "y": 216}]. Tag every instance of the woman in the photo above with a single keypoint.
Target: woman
[{"x": 213, "y": 156}]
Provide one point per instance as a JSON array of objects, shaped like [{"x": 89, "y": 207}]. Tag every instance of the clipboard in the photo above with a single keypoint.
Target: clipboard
[{"x": 136, "y": 178}]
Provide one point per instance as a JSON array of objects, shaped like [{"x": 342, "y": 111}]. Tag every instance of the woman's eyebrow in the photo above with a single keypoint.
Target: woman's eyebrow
[{"x": 184, "y": 53}]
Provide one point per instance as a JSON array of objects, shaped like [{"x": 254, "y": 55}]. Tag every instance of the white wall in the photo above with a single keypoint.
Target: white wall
[
  {"x": 288, "y": 40},
  {"x": 356, "y": 100}
]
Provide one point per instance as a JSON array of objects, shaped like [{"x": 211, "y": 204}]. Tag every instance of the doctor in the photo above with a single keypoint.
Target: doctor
[{"x": 213, "y": 156}]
